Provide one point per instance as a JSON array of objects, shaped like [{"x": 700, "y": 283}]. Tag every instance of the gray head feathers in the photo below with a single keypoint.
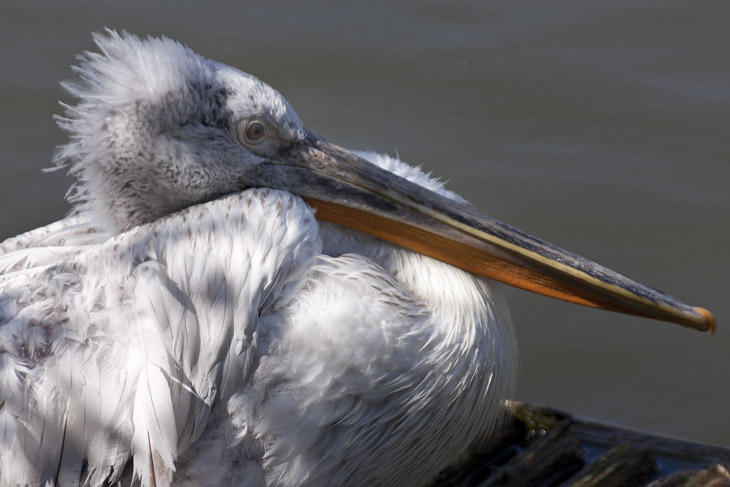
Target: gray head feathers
[{"x": 153, "y": 130}]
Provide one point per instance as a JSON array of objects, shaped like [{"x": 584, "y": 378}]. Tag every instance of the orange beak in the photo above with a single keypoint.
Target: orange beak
[{"x": 352, "y": 192}]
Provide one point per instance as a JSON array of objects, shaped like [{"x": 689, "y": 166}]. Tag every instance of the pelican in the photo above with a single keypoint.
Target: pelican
[{"x": 236, "y": 301}]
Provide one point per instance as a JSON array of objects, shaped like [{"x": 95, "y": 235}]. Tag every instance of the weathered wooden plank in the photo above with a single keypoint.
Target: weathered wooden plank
[
  {"x": 542, "y": 447},
  {"x": 546, "y": 462},
  {"x": 608, "y": 436},
  {"x": 601, "y": 434},
  {"x": 715, "y": 476},
  {"x": 625, "y": 465}
]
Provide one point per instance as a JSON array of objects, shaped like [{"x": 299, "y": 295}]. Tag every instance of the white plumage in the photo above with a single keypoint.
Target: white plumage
[
  {"x": 192, "y": 323},
  {"x": 232, "y": 342}
]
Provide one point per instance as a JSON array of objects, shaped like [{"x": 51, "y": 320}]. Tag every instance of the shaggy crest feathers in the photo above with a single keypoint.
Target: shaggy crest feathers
[
  {"x": 143, "y": 107},
  {"x": 127, "y": 70},
  {"x": 130, "y": 68}
]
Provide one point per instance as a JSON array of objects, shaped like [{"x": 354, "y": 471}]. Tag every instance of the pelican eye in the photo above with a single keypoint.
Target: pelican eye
[{"x": 252, "y": 131}]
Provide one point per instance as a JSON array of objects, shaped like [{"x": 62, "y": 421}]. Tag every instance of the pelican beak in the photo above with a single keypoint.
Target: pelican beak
[{"x": 352, "y": 192}]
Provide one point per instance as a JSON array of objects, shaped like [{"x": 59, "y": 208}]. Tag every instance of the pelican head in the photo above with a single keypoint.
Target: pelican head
[{"x": 158, "y": 128}]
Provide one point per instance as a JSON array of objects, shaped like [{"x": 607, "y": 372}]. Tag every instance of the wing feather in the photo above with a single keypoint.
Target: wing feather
[{"x": 119, "y": 348}]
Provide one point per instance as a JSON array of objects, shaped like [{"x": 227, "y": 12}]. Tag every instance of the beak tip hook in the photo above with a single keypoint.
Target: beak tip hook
[{"x": 709, "y": 318}]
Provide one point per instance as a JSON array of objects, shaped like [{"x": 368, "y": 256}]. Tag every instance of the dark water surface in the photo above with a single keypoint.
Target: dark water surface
[{"x": 602, "y": 126}]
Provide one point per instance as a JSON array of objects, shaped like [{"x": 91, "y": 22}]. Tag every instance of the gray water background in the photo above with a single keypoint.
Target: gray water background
[{"x": 600, "y": 126}]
